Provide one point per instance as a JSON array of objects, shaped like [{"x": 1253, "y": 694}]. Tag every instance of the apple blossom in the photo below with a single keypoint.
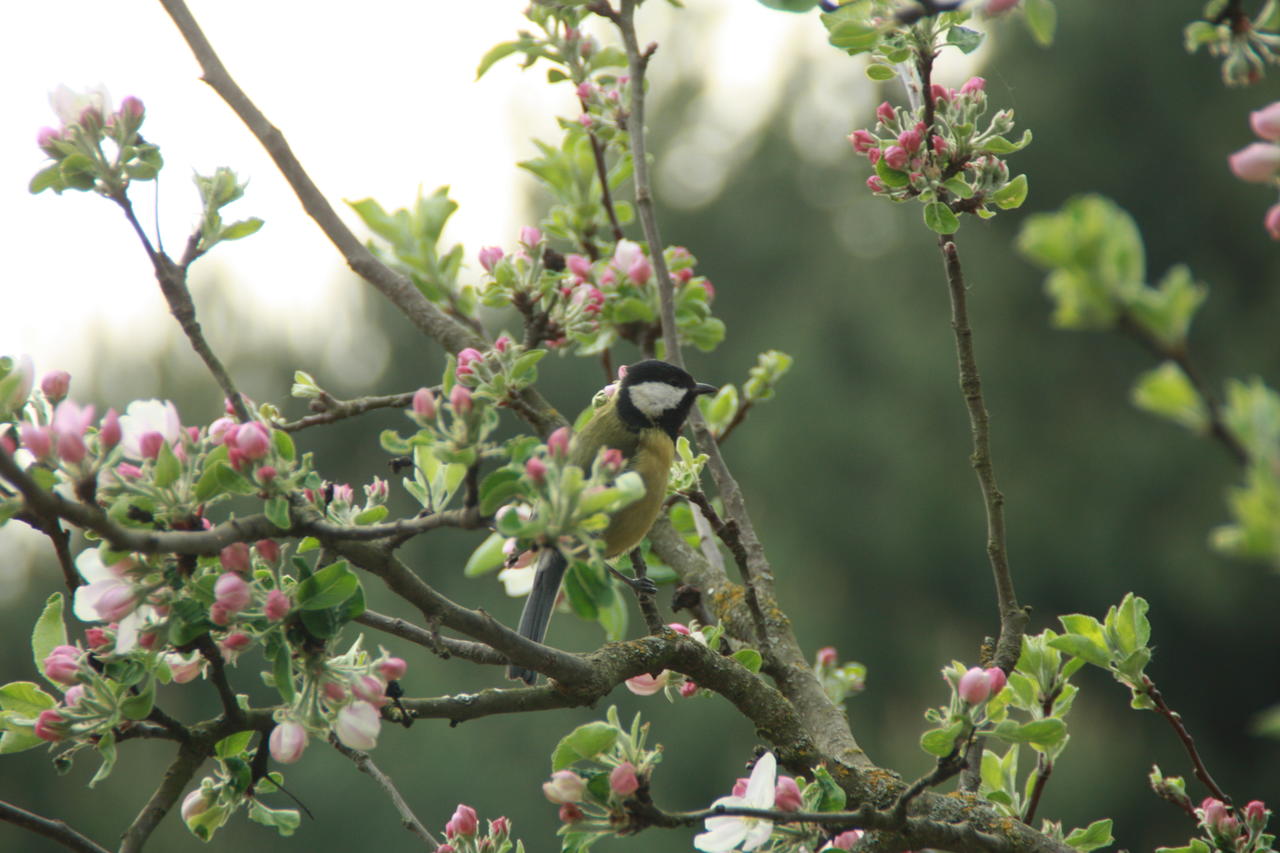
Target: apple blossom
[
  {"x": 288, "y": 740},
  {"x": 558, "y": 442},
  {"x": 50, "y": 726},
  {"x": 369, "y": 689},
  {"x": 536, "y": 469},
  {"x": 109, "y": 431},
  {"x": 277, "y": 605},
  {"x": 194, "y": 804},
  {"x": 530, "y": 236},
  {"x": 75, "y": 693},
  {"x": 143, "y": 416},
  {"x": 975, "y": 685},
  {"x": 253, "y": 440},
  {"x": 827, "y": 656},
  {"x": 727, "y": 832},
  {"x": 646, "y": 684},
  {"x": 55, "y": 384},
  {"x": 460, "y": 399},
  {"x": 570, "y": 813},
  {"x": 1257, "y": 162},
  {"x": 235, "y": 557},
  {"x": 232, "y": 593},
  {"x": 998, "y": 7},
  {"x": 424, "y": 404},
  {"x": 1266, "y": 122},
  {"x": 392, "y": 669},
  {"x": 565, "y": 787},
  {"x": 357, "y": 725},
  {"x": 72, "y": 107},
  {"x": 489, "y": 257},
  {"x": 184, "y": 668},
  {"x": 885, "y": 113},
  {"x": 998, "y": 679},
  {"x": 786, "y": 795},
  {"x": 845, "y": 840},
  {"x": 37, "y": 439},
  {"x": 63, "y": 665}
]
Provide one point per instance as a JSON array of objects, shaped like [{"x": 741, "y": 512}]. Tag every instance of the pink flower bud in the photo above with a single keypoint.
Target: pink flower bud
[
  {"x": 998, "y": 679},
  {"x": 131, "y": 109},
  {"x": 116, "y": 602},
  {"x": 1266, "y": 122},
  {"x": 875, "y": 184},
  {"x": 194, "y": 805},
  {"x": 611, "y": 461},
  {"x": 565, "y": 787},
  {"x": 277, "y": 605},
  {"x": 975, "y": 685},
  {"x": 998, "y": 7},
  {"x": 688, "y": 689},
  {"x": 584, "y": 91},
  {"x": 96, "y": 638},
  {"x": 579, "y": 265},
  {"x": 640, "y": 270},
  {"x": 109, "y": 431},
  {"x": 460, "y": 399},
  {"x": 424, "y": 404},
  {"x": 973, "y": 85},
  {"x": 183, "y": 669},
  {"x": 237, "y": 641},
  {"x": 1272, "y": 221},
  {"x": 369, "y": 689},
  {"x": 268, "y": 549},
  {"x": 503, "y": 343},
  {"x": 623, "y": 779},
  {"x": 149, "y": 444},
  {"x": 646, "y": 685},
  {"x": 37, "y": 439},
  {"x": 558, "y": 442},
  {"x": 940, "y": 93},
  {"x": 585, "y": 120},
  {"x": 469, "y": 356},
  {"x": 589, "y": 297},
  {"x": 50, "y": 726},
  {"x": 939, "y": 145},
  {"x": 885, "y": 113},
  {"x": 786, "y": 795},
  {"x": 910, "y": 140},
  {"x": 218, "y": 430},
  {"x": 334, "y": 692},
  {"x": 446, "y": 848},
  {"x": 7, "y": 443},
  {"x": 500, "y": 827},
  {"x": 235, "y": 557},
  {"x": 680, "y": 628},
  {"x": 253, "y": 440},
  {"x": 55, "y": 384},
  {"x": 569, "y": 813},
  {"x": 530, "y": 236},
  {"x": 74, "y": 695},
  {"x": 1215, "y": 812},
  {"x": 863, "y": 141},
  {"x": 46, "y": 137},
  {"x": 71, "y": 448},
  {"x": 63, "y": 665},
  {"x": 464, "y": 822},
  {"x": 232, "y": 593},
  {"x": 897, "y": 157},
  {"x": 1256, "y": 163},
  {"x": 489, "y": 257},
  {"x": 357, "y": 725},
  {"x": 287, "y": 741},
  {"x": 1255, "y": 814},
  {"x": 536, "y": 469},
  {"x": 392, "y": 669},
  {"x": 846, "y": 839},
  {"x": 827, "y": 656}
]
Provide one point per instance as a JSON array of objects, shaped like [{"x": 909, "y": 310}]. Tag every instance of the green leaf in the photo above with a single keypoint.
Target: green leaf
[
  {"x": 750, "y": 658},
  {"x": 1000, "y": 146},
  {"x": 25, "y": 698},
  {"x": 498, "y": 488},
  {"x": 852, "y": 36},
  {"x": 243, "y": 228},
  {"x": 941, "y": 742},
  {"x": 891, "y": 178},
  {"x": 487, "y": 557},
  {"x": 328, "y": 587},
  {"x": 285, "y": 821},
  {"x": 940, "y": 219},
  {"x": 277, "y": 512},
  {"x": 168, "y": 468},
  {"x": 880, "y": 73},
  {"x": 49, "y": 632},
  {"x": 1167, "y": 392},
  {"x": 49, "y": 177},
  {"x": 372, "y": 515},
  {"x": 789, "y": 5},
  {"x": 586, "y": 741},
  {"x": 631, "y": 309},
  {"x": 1011, "y": 195},
  {"x": 107, "y": 749},
  {"x": 833, "y": 796},
  {"x": 1042, "y": 20},
  {"x": 495, "y": 53},
  {"x": 1043, "y": 733},
  {"x": 1093, "y": 836},
  {"x": 964, "y": 38},
  {"x": 284, "y": 444},
  {"x": 138, "y": 705},
  {"x": 233, "y": 744}
]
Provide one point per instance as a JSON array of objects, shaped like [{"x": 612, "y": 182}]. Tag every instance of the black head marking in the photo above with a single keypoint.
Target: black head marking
[{"x": 656, "y": 393}]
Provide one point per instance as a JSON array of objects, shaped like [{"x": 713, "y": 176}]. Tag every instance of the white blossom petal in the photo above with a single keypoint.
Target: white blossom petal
[{"x": 143, "y": 416}]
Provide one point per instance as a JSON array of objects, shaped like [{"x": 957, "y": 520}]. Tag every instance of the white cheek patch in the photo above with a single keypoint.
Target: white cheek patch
[{"x": 655, "y": 399}]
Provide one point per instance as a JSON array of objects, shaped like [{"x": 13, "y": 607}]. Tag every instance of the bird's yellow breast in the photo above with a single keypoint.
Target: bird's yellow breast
[{"x": 652, "y": 460}]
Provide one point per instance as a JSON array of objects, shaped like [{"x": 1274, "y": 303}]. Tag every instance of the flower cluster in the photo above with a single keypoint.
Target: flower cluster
[
  {"x": 950, "y": 162},
  {"x": 1235, "y": 830},
  {"x": 96, "y": 146},
  {"x": 462, "y": 832},
  {"x": 1259, "y": 162}
]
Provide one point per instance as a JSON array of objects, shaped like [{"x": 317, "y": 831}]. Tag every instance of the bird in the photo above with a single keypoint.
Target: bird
[{"x": 641, "y": 419}]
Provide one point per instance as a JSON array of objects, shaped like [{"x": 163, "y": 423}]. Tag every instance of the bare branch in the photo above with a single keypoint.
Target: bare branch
[
  {"x": 55, "y": 830},
  {"x": 407, "y": 818},
  {"x": 328, "y": 409},
  {"x": 184, "y": 765},
  {"x": 443, "y": 646}
]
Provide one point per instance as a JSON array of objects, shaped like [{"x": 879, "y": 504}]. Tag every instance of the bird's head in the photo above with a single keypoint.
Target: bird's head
[{"x": 655, "y": 393}]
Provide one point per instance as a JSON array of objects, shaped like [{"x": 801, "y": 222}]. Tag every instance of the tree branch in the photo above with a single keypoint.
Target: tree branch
[
  {"x": 1013, "y": 619},
  {"x": 189, "y": 758},
  {"x": 443, "y": 646},
  {"x": 55, "y": 830},
  {"x": 329, "y": 409},
  {"x": 407, "y": 818}
]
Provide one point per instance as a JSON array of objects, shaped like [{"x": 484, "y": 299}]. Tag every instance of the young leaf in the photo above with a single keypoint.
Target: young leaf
[{"x": 49, "y": 632}]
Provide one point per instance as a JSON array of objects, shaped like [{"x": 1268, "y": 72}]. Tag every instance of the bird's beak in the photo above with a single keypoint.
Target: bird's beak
[{"x": 704, "y": 388}]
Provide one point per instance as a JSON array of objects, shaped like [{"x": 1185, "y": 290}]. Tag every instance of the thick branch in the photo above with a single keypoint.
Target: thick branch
[
  {"x": 443, "y": 646},
  {"x": 1013, "y": 619},
  {"x": 55, "y": 830}
]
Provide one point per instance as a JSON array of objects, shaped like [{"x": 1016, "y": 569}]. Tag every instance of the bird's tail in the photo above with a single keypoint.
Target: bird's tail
[{"x": 538, "y": 606}]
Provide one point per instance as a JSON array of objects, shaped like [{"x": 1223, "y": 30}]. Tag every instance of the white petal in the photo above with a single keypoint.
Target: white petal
[
  {"x": 127, "y": 632},
  {"x": 763, "y": 782},
  {"x": 85, "y": 604},
  {"x": 723, "y": 833},
  {"x": 518, "y": 582},
  {"x": 757, "y": 833},
  {"x": 89, "y": 564}
]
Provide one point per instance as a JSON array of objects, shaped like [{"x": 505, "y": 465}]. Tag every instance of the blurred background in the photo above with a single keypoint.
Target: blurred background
[{"x": 857, "y": 474}]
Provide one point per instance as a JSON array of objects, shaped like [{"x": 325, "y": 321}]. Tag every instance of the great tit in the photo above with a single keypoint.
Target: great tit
[{"x": 642, "y": 420}]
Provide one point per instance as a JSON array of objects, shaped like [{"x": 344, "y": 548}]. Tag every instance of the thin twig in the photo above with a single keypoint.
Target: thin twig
[
  {"x": 946, "y": 767},
  {"x": 1013, "y": 619},
  {"x": 185, "y": 763},
  {"x": 55, "y": 830},
  {"x": 1188, "y": 743},
  {"x": 738, "y": 417},
  {"x": 407, "y": 818},
  {"x": 643, "y": 588},
  {"x": 443, "y": 646},
  {"x": 331, "y": 409},
  {"x": 218, "y": 675},
  {"x": 1044, "y": 769}
]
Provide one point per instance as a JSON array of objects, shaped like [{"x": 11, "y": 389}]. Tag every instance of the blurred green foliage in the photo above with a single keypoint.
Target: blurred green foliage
[{"x": 857, "y": 474}]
